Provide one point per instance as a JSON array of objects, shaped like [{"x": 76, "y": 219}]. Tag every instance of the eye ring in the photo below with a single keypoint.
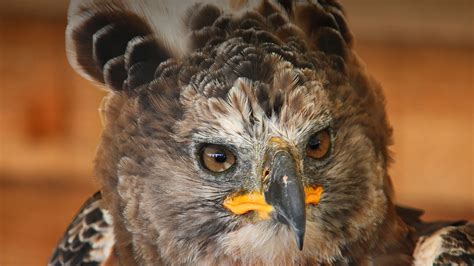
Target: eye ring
[
  {"x": 319, "y": 145},
  {"x": 216, "y": 158}
]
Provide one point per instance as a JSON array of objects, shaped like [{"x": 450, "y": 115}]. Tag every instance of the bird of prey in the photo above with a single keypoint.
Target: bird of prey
[{"x": 240, "y": 133}]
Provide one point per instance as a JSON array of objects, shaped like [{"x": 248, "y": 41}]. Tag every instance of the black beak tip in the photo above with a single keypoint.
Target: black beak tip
[{"x": 299, "y": 239}]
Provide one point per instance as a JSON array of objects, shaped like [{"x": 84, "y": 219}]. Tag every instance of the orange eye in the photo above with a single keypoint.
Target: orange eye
[
  {"x": 318, "y": 144},
  {"x": 216, "y": 158}
]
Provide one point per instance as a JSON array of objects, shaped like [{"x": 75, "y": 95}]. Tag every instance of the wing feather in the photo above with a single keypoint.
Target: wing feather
[
  {"x": 89, "y": 239},
  {"x": 450, "y": 245},
  {"x": 442, "y": 242}
]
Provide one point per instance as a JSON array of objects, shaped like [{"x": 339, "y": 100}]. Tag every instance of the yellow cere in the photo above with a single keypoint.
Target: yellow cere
[
  {"x": 312, "y": 195},
  {"x": 255, "y": 201},
  {"x": 277, "y": 140}
]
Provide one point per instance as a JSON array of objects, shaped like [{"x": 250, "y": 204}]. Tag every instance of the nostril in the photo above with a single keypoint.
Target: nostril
[{"x": 266, "y": 173}]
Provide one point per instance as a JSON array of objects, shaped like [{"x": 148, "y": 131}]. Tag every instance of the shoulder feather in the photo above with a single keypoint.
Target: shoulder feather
[{"x": 89, "y": 239}]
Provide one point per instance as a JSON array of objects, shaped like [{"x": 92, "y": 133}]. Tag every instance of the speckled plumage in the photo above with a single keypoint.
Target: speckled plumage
[
  {"x": 89, "y": 238},
  {"x": 237, "y": 74}
]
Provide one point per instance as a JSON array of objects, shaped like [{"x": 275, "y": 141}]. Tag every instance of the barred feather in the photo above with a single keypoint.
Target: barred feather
[{"x": 89, "y": 239}]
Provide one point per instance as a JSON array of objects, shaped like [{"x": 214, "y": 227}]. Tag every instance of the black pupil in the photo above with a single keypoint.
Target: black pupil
[
  {"x": 219, "y": 157},
  {"x": 314, "y": 143}
]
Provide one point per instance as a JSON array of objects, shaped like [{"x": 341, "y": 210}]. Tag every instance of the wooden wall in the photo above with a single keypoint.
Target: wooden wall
[{"x": 49, "y": 124}]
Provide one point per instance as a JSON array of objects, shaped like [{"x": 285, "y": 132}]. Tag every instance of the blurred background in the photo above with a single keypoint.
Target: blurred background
[{"x": 421, "y": 51}]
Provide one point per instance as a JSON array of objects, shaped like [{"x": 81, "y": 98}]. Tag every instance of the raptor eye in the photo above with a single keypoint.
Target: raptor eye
[
  {"x": 318, "y": 144},
  {"x": 216, "y": 158}
]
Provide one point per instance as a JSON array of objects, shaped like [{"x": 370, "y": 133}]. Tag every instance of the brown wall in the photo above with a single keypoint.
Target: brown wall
[{"x": 49, "y": 124}]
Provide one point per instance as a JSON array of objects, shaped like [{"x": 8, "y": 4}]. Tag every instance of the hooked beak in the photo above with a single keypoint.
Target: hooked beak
[
  {"x": 286, "y": 193},
  {"x": 284, "y": 198}
]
